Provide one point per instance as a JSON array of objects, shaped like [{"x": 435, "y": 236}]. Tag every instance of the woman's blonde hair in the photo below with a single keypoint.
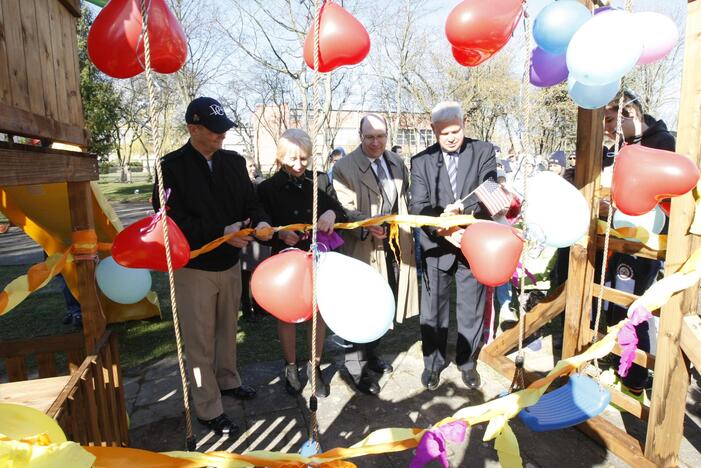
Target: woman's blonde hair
[{"x": 293, "y": 138}]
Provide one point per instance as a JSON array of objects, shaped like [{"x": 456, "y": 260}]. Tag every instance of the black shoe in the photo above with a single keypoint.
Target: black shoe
[
  {"x": 249, "y": 315},
  {"x": 68, "y": 318},
  {"x": 292, "y": 383},
  {"x": 322, "y": 388},
  {"x": 472, "y": 379},
  {"x": 367, "y": 384},
  {"x": 221, "y": 425},
  {"x": 380, "y": 366},
  {"x": 244, "y": 392},
  {"x": 430, "y": 379}
]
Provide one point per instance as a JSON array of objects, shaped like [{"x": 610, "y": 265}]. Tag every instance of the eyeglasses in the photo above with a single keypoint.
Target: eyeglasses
[
  {"x": 572, "y": 158},
  {"x": 374, "y": 137}
]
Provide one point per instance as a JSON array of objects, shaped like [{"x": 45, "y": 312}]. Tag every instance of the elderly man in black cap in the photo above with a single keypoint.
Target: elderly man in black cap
[{"x": 210, "y": 195}]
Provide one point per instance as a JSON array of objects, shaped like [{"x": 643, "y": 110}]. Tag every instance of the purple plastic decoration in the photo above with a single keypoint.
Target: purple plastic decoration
[
  {"x": 547, "y": 69},
  {"x": 628, "y": 338},
  {"x": 433, "y": 444}
]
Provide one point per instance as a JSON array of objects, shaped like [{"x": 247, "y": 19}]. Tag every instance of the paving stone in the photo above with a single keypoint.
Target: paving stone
[{"x": 160, "y": 390}]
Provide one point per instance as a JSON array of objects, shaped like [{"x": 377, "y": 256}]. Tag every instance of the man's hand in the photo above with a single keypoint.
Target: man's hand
[
  {"x": 378, "y": 232},
  {"x": 452, "y": 235},
  {"x": 453, "y": 209},
  {"x": 267, "y": 232},
  {"x": 326, "y": 221},
  {"x": 288, "y": 237},
  {"x": 239, "y": 242}
]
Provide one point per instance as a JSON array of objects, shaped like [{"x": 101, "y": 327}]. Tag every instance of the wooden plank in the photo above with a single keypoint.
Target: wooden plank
[
  {"x": 75, "y": 73},
  {"x": 45, "y": 166},
  {"x": 57, "y": 52},
  {"x": 42, "y": 344},
  {"x": 631, "y": 248},
  {"x": 15, "y": 54},
  {"x": 103, "y": 410},
  {"x": 5, "y": 90},
  {"x": 113, "y": 416},
  {"x": 46, "y": 362},
  {"x": 73, "y": 381},
  {"x": 541, "y": 314},
  {"x": 582, "y": 254},
  {"x": 119, "y": 388},
  {"x": 92, "y": 423},
  {"x": 74, "y": 358},
  {"x": 80, "y": 204},
  {"x": 614, "y": 295},
  {"x": 16, "y": 369},
  {"x": 617, "y": 441},
  {"x": 68, "y": 33},
  {"x": 34, "y": 78},
  {"x": 691, "y": 339},
  {"x": 39, "y": 394},
  {"x": 24, "y": 123},
  {"x": 73, "y": 6},
  {"x": 665, "y": 428},
  {"x": 47, "y": 60}
]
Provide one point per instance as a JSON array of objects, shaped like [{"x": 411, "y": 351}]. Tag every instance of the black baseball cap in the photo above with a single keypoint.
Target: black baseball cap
[{"x": 209, "y": 113}]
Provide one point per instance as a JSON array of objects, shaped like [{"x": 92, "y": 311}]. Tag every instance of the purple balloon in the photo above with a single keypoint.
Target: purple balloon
[{"x": 547, "y": 69}]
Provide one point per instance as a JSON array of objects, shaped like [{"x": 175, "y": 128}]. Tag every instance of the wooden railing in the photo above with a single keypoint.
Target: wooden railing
[{"x": 19, "y": 354}]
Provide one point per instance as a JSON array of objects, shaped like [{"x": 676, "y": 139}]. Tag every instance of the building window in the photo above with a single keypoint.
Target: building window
[{"x": 426, "y": 137}]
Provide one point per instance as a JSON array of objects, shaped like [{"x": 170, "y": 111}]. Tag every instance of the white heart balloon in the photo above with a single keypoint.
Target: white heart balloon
[
  {"x": 354, "y": 299},
  {"x": 660, "y": 35},
  {"x": 556, "y": 214}
]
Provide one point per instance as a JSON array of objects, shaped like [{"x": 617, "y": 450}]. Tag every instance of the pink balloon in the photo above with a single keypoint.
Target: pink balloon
[{"x": 659, "y": 35}]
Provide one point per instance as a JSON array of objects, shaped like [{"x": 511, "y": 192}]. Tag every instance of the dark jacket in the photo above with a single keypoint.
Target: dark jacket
[
  {"x": 203, "y": 202},
  {"x": 431, "y": 191},
  {"x": 289, "y": 201},
  {"x": 656, "y": 136}
]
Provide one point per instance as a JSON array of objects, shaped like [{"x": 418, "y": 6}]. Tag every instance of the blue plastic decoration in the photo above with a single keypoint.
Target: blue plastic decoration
[
  {"x": 580, "y": 399},
  {"x": 556, "y": 24},
  {"x": 120, "y": 284},
  {"x": 310, "y": 448}
]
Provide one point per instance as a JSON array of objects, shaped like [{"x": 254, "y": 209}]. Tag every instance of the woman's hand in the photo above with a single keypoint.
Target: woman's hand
[
  {"x": 288, "y": 237},
  {"x": 326, "y": 221}
]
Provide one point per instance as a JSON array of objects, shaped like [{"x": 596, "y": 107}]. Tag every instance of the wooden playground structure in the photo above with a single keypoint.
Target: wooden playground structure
[
  {"x": 40, "y": 99},
  {"x": 679, "y": 339}
]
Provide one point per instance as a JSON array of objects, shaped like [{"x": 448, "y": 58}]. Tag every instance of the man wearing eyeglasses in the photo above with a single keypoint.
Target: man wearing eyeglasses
[{"x": 372, "y": 181}]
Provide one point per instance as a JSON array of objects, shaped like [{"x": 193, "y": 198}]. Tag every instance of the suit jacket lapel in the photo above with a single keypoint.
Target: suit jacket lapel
[
  {"x": 367, "y": 177},
  {"x": 464, "y": 164},
  {"x": 395, "y": 166}
]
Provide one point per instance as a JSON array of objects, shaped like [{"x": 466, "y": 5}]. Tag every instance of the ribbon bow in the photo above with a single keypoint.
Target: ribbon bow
[{"x": 433, "y": 443}]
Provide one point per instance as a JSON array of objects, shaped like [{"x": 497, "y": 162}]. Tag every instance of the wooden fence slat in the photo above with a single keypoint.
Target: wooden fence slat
[
  {"x": 32, "y": 57},
  {"x": 17, "y": 66},
  {"x": 5, "y": 89},
  {"x": 119, "y": 389},
  {"x": 47, "y": 60},
  {"x": 16, "y": 369},
  {"x": 86, "y": 382},
  {"x": 46, "y": 362},
  {"x": 57, "y": 46}
]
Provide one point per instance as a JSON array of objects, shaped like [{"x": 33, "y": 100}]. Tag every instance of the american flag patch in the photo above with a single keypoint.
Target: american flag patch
[{"x": 493, "y": 196}]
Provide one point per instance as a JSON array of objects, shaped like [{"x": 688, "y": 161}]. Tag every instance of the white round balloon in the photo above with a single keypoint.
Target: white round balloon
[
  {"x": 354, "y": 299},
  {"x": 604, "y": 48},
  {"x": 121, "y": 284},
  {"x": 556, "y": 214}
]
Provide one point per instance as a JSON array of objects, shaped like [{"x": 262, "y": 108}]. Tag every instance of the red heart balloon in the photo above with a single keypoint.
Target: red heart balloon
[
  {"x": 115, "y": 45},
  {"x": 141, "y": 245},
  {"x": 643, "y": 176},
  {"x": 492, "y": 250},
  {"x": 343, "y": 40},
  {"x": 282, "y": 285},
  {"x": 481, "y": 28}
]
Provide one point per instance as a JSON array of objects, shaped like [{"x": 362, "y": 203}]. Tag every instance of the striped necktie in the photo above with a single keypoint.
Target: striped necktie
[{"x": 452, "y": 164}]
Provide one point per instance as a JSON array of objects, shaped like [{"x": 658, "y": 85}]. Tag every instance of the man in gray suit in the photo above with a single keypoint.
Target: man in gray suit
[{"x": 441, "y": 176}]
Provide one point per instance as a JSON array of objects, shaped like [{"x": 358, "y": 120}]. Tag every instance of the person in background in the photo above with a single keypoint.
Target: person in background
[
  {"x": 251, "y": 255},
  {"x": 397, "y": 149},
  {"x": 211, "y": 195},
  {"x": 335, "y": 155},
  {"x": 287, "y": 198}
]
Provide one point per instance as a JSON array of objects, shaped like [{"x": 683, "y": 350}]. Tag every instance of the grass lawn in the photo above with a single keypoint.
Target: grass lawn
[{"x": 138, "y": 191}]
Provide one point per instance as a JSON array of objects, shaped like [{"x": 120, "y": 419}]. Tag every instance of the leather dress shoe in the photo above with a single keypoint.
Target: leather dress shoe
[
  {"x": 221, "y": 425},
  {"x": 430, "y": 379},
  {"x": 472, "y": 379},
  {"x": 366, "y": 384},
  {"x": 243, "y": 392},
  {"x": 380, "y": 366}
]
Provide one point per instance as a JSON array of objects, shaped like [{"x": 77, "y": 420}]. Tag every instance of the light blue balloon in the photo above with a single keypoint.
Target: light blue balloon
[
  {"x": 120, "y": 284},
  {"x": 592, "y": 97},
  {"x": 605, "y": 48},
  {"x": 556, "y": 24}
]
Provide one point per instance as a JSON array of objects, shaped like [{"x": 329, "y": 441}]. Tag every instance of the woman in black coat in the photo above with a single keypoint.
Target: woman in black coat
[{"x": 287, "y": 198}]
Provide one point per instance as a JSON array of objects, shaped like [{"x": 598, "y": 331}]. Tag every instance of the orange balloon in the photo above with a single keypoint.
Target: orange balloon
[
  {"x": 282, "y": 285},
  {"x": 643, "y": 176},
  {"x": 492, "y": 250},
  {"x": 481, "y": 27},
  {"x": 343, "y": 40}
]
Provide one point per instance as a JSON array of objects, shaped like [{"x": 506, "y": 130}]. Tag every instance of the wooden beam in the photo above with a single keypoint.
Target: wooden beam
[
  {"x": 20, "y": 122},
  {"x": 42, "y": 344},
  {"x": 73, "y": 6},
  {"x": 669, "y": 391},
  {"x": 25, "y": 164},
  {"x": 80, "y": 203},
  {"x": 691, "y": 339},
  {"x": 629, "y": 247},
  {"x": 614, "y": 439},
  {"x": 620, "y": 298}
]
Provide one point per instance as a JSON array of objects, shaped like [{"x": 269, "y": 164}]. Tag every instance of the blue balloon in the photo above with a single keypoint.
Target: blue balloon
[
  {"x": 592, "y": 97},
  {"x": 120, "y": 284},
  {"x": 556, "y": 24}
]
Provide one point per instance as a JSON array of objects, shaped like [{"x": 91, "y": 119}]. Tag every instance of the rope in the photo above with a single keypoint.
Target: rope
[
  {"x": 314, "y": 425},
  {"x": 145, "y": 4}
]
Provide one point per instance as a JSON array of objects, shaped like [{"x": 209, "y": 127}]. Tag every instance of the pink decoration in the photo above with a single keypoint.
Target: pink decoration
[
  {"x": 628, "y": 338},
  {"x": 433, "y": 444}
]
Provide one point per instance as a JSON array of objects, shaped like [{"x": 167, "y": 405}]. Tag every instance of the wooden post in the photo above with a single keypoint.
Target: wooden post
[
  {"x": 80, "y": 203},
  {"x": 665, "y": 427}
]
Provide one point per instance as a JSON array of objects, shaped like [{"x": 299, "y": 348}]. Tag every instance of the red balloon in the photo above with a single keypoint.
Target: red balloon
[
  {"x": 282, "y": 285},
  {"x": 643, "y": 176},
  {"x": 480, "y": 28},
  {"x": 492, "y": 250},
  {"x": 141, "y": 245},
  {"x": 343, "y": 40},
  {"x": 115, "y": 45}
]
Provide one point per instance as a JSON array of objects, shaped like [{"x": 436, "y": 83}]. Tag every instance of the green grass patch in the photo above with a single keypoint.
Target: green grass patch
[{"x": 139, "y": 190}]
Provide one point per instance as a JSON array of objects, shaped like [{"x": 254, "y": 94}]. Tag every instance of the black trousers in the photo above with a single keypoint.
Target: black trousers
[
  {"x": 435, "y": 315},
  {"x": 358, "y": 354}
]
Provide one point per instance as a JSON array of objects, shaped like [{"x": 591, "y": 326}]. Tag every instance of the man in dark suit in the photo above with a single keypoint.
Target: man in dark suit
[{"x": 441, "y": 176}]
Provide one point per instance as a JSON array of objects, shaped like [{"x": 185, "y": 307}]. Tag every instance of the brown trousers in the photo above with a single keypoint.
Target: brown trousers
[{"x": 208, "y": 307}]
